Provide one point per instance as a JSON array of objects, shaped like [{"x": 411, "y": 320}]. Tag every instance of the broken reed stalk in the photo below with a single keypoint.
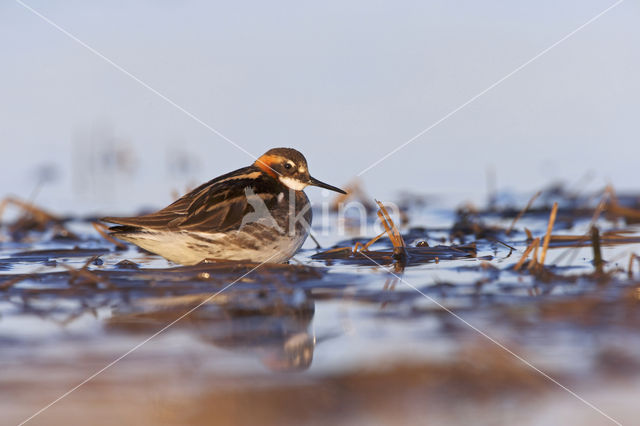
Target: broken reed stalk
[
  {"x": 365, "y": 247},
  {"x": 534, "y": 258},
  {"x": 523, "y": 211},
  {"x": 338, "y": 249},
  {"x": 547, "y": 237},
  {"x": 526, "y": 254},
  {"x": 389, "y": 226},
  {"x": 616, "y": 210},
  {"x": 529, "y": 234},
  {"x": 606, "y": 196},
  {"x": 399, "y": 247},
  {"x": 39, "y": 214},
  {"x": 597, "y": 253}
]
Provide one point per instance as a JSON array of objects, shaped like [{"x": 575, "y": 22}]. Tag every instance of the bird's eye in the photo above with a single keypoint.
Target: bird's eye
[{"x": 288, "y": 166}]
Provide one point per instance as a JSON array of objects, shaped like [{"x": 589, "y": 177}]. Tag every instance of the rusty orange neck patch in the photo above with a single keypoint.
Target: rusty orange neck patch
[{"x": 264, "y": 163}]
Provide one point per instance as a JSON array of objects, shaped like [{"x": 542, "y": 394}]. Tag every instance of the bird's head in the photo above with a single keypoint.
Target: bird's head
[{"x": 289, "y": 167}]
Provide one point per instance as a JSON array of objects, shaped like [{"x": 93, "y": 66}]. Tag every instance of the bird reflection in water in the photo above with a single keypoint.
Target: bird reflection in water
[{"x": 271, "y": 325}]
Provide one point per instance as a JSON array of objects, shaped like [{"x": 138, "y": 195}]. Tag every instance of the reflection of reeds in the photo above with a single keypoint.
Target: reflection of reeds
[
  {"x": 83, "y": 276},
  {"x": 630, "y": 267},
  {"x": 11, "y": 282}
]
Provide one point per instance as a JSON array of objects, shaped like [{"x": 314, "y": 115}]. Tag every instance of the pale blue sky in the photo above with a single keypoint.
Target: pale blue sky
[{"x": 343, "y": 83}]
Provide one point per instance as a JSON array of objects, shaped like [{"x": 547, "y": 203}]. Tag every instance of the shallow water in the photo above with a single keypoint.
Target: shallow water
[{"x": 341, "y": 337}]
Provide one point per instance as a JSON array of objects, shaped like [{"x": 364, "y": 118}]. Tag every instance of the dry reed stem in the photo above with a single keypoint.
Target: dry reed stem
[
  {"x": 365, "y": 247},
  {"x": 547, "y": 237},
  {"x": 390, "y": 227},
  {"x": 399, "y": 247},
  {"x": 534, "y": 260},
  {"x": 607, "y": 195},
  {"x": 101, "y": 230},
  {"x": 523, "y": 211},
  {"x": 613, "y": 236},
  {"x": 387, "y": 228},
  {"x": 529, "y": 234},
  {"x": 39, "y": 214},
  {"x": 333, "y": 250},
  {"x": 526, "y": 254},
  {"x": 625, "y": 212},
  {"x": 597, "y": 252},
  {"x": 615, "y": 209}
]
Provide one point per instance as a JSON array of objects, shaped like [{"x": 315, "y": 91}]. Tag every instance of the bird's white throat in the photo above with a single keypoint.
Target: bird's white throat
[{"x": 292, "y": 183}]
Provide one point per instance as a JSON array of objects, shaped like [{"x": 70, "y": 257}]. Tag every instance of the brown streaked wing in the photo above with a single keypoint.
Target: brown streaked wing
[
  {"x": 215, "y": 206},
  {"x": 224, "y": 215}
]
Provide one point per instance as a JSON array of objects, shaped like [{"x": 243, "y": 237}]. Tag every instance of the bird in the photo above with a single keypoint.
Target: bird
[{"x": 258, "y": 213}]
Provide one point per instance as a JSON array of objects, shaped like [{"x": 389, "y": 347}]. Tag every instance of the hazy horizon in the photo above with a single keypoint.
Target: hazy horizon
[{"x": 343, "y": 83}]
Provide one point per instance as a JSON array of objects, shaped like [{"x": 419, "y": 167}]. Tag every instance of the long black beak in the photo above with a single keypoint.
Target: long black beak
[{"x": 316, "y": 182}]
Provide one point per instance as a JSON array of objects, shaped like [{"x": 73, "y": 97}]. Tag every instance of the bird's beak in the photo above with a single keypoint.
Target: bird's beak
[{"x": 316, "y": 182}]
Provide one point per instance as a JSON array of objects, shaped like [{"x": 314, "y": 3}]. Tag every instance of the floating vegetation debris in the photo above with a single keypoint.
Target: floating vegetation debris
[
  {"x": 400, "y": 254},
  {"x": 31, "y": 218},
  {"x": 559, "y": 264}
]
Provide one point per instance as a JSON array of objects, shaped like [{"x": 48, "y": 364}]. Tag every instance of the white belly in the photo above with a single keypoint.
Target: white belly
[{"x": 190, "y": 248}]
